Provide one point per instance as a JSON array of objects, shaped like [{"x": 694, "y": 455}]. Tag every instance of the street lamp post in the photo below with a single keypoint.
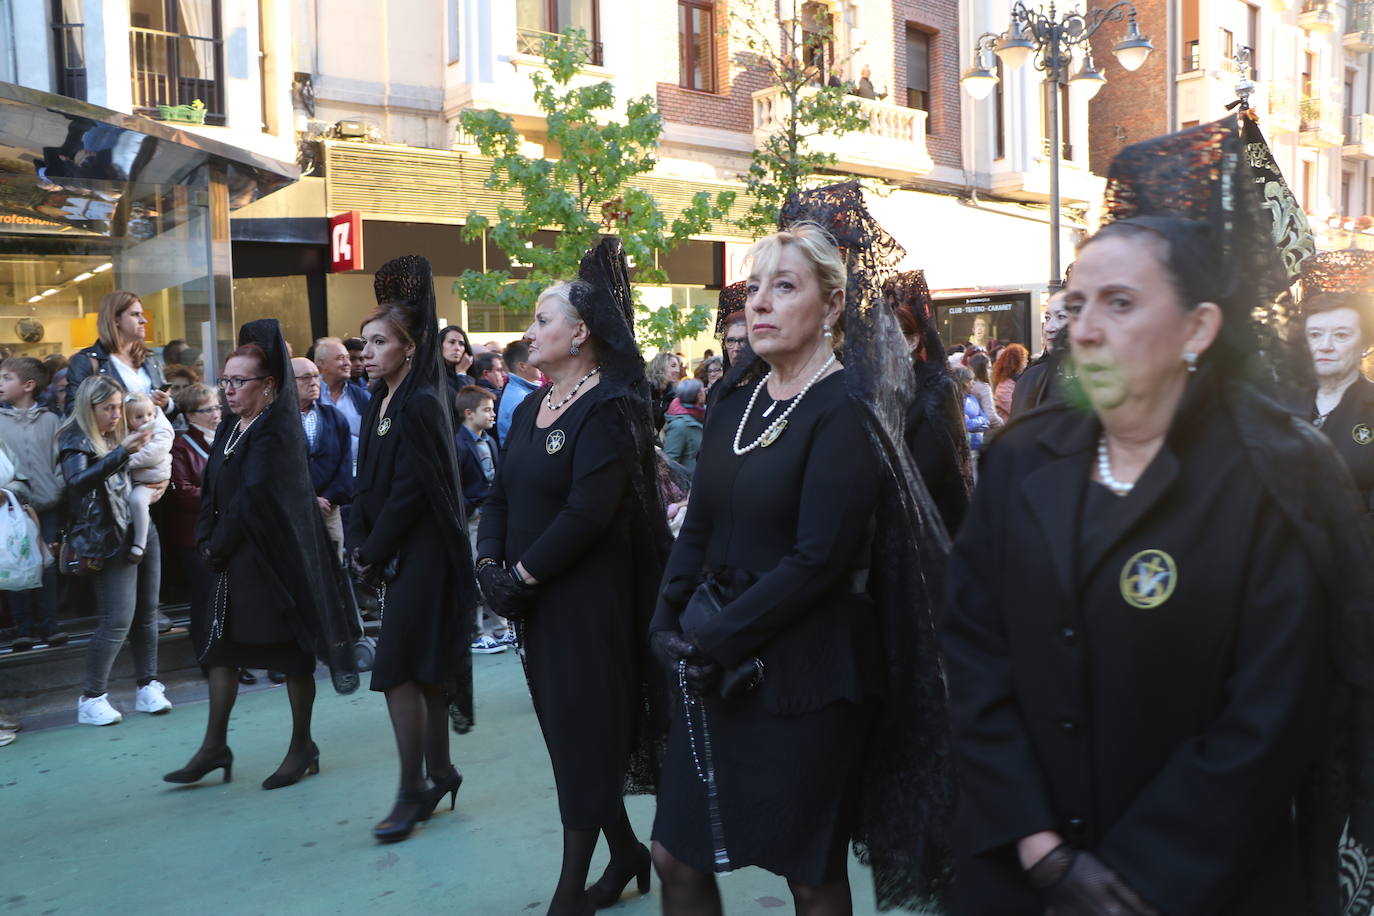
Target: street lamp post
[{"x": 1051, "y": 37}]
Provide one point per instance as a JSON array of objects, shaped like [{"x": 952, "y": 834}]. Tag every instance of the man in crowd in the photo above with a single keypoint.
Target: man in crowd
[
  {"x": 336, "y": 373},
  {"x": 354, "y": 346},
  {"x": 477, "y": 457},
  {"x": 329, "y": 446},
  {"x": 522, "y": 380}
]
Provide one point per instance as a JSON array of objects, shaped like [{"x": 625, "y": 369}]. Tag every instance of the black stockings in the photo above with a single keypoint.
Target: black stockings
[
  {"x": 300, "y": 690},
  {"x": 419, "y": 719},
  {"x": 578, "y": 847},
  {"x": 686, "y": 891},
  {"x": 224, "y": 690}
]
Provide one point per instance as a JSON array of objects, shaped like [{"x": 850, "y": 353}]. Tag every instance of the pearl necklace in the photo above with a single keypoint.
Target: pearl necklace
[
  {"x": 548, "y": 400},
  {"x": 1104, "y": 470},
  {"x": 773, "y": 430},
  {"x": 242, "y": 431}
]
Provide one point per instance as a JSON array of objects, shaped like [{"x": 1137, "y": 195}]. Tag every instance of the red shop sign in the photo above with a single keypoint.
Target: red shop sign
[{"x": 346, "y": 241}]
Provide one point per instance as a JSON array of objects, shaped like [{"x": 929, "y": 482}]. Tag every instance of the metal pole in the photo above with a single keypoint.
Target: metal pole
[{"x": 1053, "y": 81}]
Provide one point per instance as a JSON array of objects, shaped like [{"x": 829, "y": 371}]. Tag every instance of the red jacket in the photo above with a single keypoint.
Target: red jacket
[{"x": 189, "y": 454}]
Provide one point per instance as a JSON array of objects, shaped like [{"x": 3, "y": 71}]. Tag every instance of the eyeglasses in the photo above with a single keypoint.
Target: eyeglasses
[
  {"x": 213, "y": 409},
  {"x": 234, "y": 382},
  {"x": 733, "y": 342},
  {"x": 310, "y": 377}
]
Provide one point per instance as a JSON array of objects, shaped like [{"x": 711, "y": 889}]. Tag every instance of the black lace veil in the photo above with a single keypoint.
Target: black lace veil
[{"x": 908, "y": 785}]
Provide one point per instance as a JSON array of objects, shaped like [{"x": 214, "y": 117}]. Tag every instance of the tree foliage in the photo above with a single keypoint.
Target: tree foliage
[
  {"x": 587, "y": 191},
  {"x": 774, "y": 42}
]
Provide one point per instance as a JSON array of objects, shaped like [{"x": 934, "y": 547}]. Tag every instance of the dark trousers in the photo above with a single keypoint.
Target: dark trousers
[{"x": 35, "y": 611}]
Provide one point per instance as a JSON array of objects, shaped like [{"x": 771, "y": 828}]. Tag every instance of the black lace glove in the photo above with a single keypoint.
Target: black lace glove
[
  {"x": 505, "y": 592},
  {"x": 1079, "y": 884},
  {"x": 670, "y": 647},
  {"x": 369, "y": 574}
]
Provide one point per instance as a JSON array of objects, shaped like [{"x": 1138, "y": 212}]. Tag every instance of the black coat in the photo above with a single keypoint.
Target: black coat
[
  {"x": 476, "y": 488},
  {"x": 91, "y": 526},
  {"x": 331, "y": 457},
  {"x": 1039, "y": 384},
  {"x": 934, "y": 434},
  {"x": 96, "y": 359},
  {"x": 1169, "y": 736},
  {"x": 1350, "y": 427}
]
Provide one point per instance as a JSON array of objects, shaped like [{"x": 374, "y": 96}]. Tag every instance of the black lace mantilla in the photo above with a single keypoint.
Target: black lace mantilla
[{"x": 908, "y": 784}]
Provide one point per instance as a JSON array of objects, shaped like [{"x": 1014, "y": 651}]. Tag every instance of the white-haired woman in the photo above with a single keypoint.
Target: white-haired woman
[
  {"x": 763, "y": 613},
  {"x": 93, "y": 452}
]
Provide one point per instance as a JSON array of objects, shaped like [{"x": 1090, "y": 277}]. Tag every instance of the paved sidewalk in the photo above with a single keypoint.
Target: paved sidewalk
[{"x": 90, "y": 828}]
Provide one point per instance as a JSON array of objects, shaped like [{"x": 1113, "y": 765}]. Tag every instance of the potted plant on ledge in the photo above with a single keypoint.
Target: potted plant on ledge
[{"x": 186, "y": 114}]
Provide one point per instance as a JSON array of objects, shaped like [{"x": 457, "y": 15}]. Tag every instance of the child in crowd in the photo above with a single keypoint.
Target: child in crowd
[
  {"x": 30, "y": 432},
  {"x": 477, "y": 457},
  {"x": 150, "y": 468}
]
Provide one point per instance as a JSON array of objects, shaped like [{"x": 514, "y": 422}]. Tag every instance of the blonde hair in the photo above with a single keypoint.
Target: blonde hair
[
  {"x": 112, "y": 305},
  {"x": 134, "y": 399},
  {"x": 817, "y": 245},
  {"x": 96, "y": 389}
]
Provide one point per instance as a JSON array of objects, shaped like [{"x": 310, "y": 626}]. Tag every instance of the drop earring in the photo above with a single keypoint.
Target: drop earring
[
  {"x": 574, "y": 349},
  {"x": 828, "y": 335},
  {"x": 1190, "y": 360}
]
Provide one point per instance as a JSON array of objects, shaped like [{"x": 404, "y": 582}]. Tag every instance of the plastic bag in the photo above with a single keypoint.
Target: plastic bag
[{"x": 21, "y": 551}]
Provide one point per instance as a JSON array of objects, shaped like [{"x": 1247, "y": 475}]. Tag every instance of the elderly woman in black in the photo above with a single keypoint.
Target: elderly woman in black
[
  {"x": 571, "y": 544},
  {"x": 767, "y": 617},
  {"x": 1337, "y": 316},
  {"x": 272, "y": 602},
  {"x": 411, "y": 535},
  {"x": 1137, "y": 738}
]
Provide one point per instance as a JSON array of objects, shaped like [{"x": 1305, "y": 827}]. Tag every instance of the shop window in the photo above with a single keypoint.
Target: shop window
[
  {"x": 536, "y": 20},
  {"x": 696, "y": 33},
  {"x": 69, "y": 49},
  {"x": 918, "y": 71},
  {"x": 176, "y": 54}
]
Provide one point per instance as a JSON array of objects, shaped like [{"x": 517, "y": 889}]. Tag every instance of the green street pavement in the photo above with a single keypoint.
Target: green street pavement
[{"x": 90, "y": 828}]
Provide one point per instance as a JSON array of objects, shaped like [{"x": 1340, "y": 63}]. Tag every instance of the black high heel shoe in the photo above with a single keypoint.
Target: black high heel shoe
[
  {"x": 281, "y": 779},
  {"x": 194, "y": 773},
  {"x": 411, "y": 808},
  {"x": 607, "y": 890},
  {"x": 449, "y": 786}
]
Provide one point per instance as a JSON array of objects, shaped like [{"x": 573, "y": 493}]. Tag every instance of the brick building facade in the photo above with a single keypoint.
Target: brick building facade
[
  {"x": 1133, "y": 106},
  {"x": 940, "y": 20}
]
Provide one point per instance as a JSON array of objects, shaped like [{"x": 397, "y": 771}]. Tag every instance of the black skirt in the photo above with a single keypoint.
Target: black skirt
[
  {"x": 419, "y": 634},
  {"x": 287, "y": 657},
  {"x": 788, "y": 788}
]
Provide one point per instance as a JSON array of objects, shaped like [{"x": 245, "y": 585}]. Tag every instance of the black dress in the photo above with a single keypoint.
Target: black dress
[
  {"x": 794, "y": 517},
  {"x": 395, "y": 522},
  {"x": 562, "y": 506},
  {"x": 256, "y": 630}
]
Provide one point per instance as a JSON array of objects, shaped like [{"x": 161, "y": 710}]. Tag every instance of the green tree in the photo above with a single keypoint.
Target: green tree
[
  {"x": 774, "y": 42},
  {"x": 587, "y": 191}
]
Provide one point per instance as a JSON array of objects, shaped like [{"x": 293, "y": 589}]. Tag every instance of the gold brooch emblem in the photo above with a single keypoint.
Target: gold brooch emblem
[
  {"x": 772, "y": 434},
  {"x": 1362, "y": 434},
  {"x": 554, "y": 443},
  {"x": 384, "y": 427},
  {"x": 1148, "y": 579}
]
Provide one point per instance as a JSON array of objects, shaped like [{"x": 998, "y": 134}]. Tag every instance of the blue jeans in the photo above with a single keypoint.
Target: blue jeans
[
  {"x": 126, "y": 600},
  {"x": 35, "y": 611}
]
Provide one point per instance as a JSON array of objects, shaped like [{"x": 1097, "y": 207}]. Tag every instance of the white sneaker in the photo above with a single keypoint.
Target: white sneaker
[
  {"x": 97, "y": 711},
  {"x": 152, "y": 698},
  {"x": 485, "y": 645}
]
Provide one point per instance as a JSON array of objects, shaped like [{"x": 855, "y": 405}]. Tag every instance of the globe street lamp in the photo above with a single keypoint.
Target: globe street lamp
[{"x": 1051, "y": 38}]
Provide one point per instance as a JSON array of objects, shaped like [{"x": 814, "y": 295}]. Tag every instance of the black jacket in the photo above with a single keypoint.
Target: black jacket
[
  {"x": 1350, "y": 427},
  {"x": 1147, "y": 677},
  {"x": 938, "y": 444},
  {"x": 96, "y": 359},
  {"x": 92, "y": 529},
  {"x": 331, "y": 457},
  {"x": 476, "y": 488},
  {"x": 1039, "y": 384}
]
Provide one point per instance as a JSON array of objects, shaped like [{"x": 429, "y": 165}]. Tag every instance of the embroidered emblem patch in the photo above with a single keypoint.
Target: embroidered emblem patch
[
  {"x": 1148, "y": 579},
  {"x": 384, "y": 427},
  {"x": 1362, "y": 434},
  {"x": 555, "y": 441}
]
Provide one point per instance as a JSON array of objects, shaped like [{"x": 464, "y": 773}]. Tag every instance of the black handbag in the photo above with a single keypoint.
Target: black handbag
[{"x": 707, "y": 601}]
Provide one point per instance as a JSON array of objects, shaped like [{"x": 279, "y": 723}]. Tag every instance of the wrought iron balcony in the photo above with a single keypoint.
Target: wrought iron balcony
[
  {"x": 531, "y": 41},
  {"x": 1359, "y": 32},
  {"x": 172, "y": 69},
  {"x": 1320, "y": 123},
  {"x": 1359, "y": 137}
]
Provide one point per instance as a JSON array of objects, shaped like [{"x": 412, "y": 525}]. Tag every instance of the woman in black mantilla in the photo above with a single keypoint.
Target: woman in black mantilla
[
  {"x": 273, "y": 602},
  {"x": 1337, "y": 329},
  {"x": 810, "y": 709},
  {"x": 408, "y": 524},
  {"x": 1165, "y": 728},
  {"x": 935, "y": 421},
  {"x": 571, "y": 545}
]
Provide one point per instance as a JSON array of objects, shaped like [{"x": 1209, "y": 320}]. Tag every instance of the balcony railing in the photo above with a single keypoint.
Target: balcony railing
[
  {"x": 1319, "y": 122},
  {"x": 892, "y": 145},
  {"x": 69, "y": 59},
  {"x": 531, "y": 41},
  {"x": 1359, "y": 28},
  {"x": 1359, "y": 137},
  {"x": 172, "y": 69}
]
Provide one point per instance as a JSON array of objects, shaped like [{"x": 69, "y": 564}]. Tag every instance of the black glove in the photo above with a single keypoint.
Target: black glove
[
  {"x": 505, "y": 592},
  {"x": 369, "y": 574},
  {"x": 1079, "y": 884},
  {"x": 670, "y": 647},
  {"x": 218, "y": 564}
]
